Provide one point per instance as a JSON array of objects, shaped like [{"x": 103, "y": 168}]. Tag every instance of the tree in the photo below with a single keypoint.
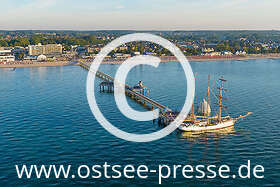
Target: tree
[
  {"x": 221, "y": 47},
  {"x": 3, "y": 43},
  {"x": 35, "y": 40},
  {"x": 24, "y": 42},
  {"x": 20, "y": 55},
  {"x": 141, "y": 48},
  {"x": 17, "y": 43},
  {"x": 227, "y": 46},
  {"x": 246, "y": 49},
  {"x": 92, "y": 39}
]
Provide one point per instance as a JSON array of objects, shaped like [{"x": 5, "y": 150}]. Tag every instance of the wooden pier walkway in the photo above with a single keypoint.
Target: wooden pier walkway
[{"x": 165, "y": 112}]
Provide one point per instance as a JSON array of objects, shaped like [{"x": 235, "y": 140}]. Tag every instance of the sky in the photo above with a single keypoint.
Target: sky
[{"x": 140, "y": 15}]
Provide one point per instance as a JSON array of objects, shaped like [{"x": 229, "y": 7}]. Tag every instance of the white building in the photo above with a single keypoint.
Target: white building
[
  {"x": 207, "y": 50},
  {"x": 49, "y": 49},
  {"x": 6, "y": 58},
  {"x": 214, "y": 54},
  {"x": 42, "y": 58},
  {"x": 5, "y": 51},
  {"x": 240, "y": 53},
  {"x": 228, "y": 53}
]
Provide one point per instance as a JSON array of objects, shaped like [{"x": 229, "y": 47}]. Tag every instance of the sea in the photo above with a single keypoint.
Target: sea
[{"x": 45, "y": 119}]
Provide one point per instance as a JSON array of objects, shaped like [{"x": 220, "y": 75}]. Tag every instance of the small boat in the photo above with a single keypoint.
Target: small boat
[{"x": 203, "y": 122}]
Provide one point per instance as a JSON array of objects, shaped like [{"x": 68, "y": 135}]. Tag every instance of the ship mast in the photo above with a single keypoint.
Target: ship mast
[
  {"x": 193, "y": 115},
  {"x": 222, "y": 80},
  {"x": 208, "y": 99}
]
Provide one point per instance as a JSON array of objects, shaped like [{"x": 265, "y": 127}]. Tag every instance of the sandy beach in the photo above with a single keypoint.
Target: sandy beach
[
  {"x": 163, "y": 60},
  {"x": 207, "y": 58},
  {"x": 35, "y": 64}
]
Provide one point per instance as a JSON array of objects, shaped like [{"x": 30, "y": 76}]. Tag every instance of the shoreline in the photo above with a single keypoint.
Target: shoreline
[
  {"x": 209, "y": 58},
  {"x": 36, "y": 64},
  {"x": 163, "y": 60}
]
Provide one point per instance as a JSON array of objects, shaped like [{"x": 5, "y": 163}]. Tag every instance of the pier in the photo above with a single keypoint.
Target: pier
[{"x": 166, "y": 115}]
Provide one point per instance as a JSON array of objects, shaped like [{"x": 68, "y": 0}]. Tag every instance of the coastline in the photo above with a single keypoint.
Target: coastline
[
  {"x": 163, "y": 60},
  {"x": 210, "y": 58},
  {"x": 36, "y": 64}
]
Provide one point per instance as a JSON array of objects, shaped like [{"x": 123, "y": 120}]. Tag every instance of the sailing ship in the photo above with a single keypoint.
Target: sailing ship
[{"x": 202, "y": 119}]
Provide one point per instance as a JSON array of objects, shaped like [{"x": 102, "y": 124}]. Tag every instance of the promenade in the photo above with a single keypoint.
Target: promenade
[{"x": 166, "y": 59}]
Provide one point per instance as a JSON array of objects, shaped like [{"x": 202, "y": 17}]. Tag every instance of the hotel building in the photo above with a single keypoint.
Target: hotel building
[{"x": 49, "y": 49}]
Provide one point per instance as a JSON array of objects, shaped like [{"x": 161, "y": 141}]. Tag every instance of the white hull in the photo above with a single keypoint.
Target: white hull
[{"x": 201, "y": 127}]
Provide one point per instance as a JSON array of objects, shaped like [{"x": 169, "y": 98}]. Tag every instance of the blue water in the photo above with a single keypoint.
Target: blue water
[{"x": 45, "y": 119}]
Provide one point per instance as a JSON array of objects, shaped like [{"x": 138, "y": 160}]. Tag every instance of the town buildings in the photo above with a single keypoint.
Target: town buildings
[
  {"x": 6, "y": 55},
  {"x": 6, "y": 58},
  {"x": 49, "y": 49}
]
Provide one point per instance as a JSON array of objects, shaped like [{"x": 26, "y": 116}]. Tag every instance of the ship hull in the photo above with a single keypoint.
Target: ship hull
[{"x": 197, "y": 128}]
